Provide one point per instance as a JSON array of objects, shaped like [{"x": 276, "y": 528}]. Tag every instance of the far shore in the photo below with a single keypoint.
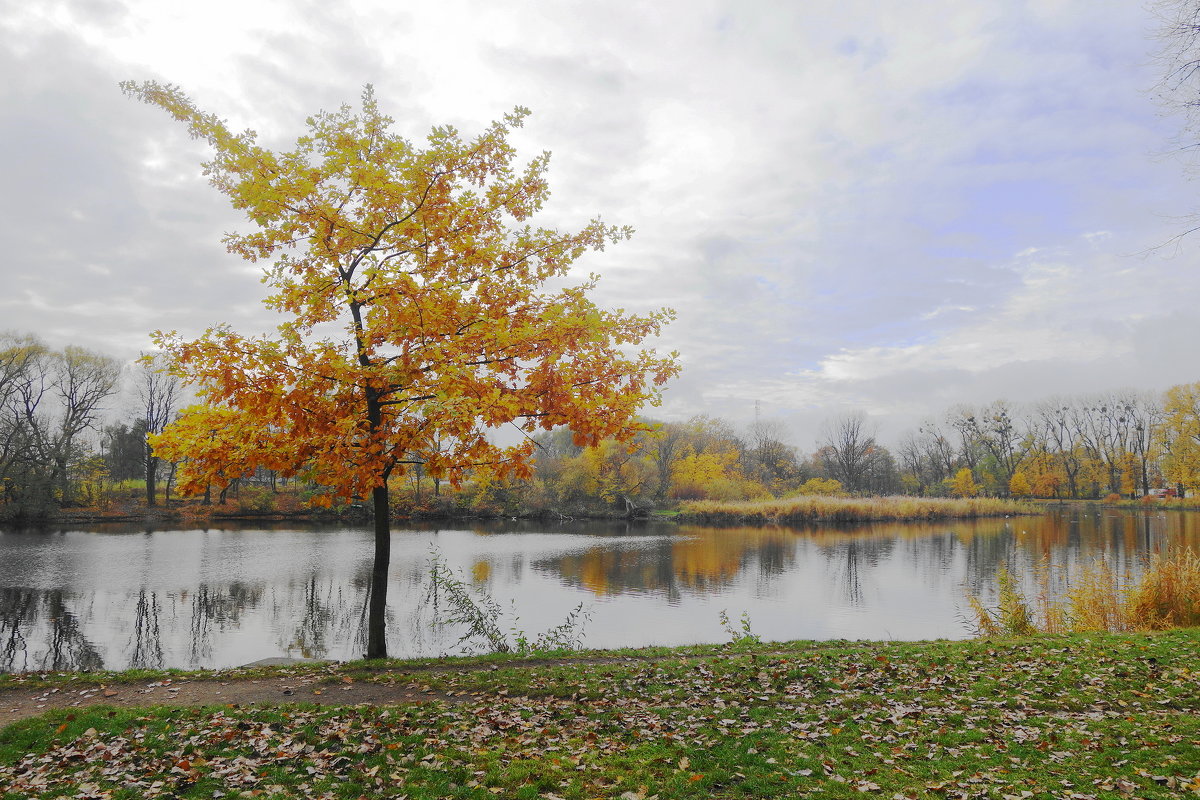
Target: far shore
[{"x": 798, "y": 511}]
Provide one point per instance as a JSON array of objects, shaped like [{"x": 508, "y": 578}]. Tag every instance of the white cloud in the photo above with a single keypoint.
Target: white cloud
[{"x": 829, "y": 193}]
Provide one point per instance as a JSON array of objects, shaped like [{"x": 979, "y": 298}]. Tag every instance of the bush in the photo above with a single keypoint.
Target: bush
[{"x": 254, "y": 500}]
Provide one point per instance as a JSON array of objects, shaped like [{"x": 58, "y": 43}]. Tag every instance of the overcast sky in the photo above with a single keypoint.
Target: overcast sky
[{"x": 887, "y": 206}]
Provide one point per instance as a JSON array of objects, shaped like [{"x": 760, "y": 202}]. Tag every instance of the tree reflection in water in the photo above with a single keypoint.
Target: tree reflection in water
[
  {"x": 222, "y": 605},
  {"x": 146, "y": 640},
  {"x": 67, "y": 648},
  {"x": 846, "y": 575},
  {"x": 18, "y": 612},
  {"x": 329, "y": 613}
]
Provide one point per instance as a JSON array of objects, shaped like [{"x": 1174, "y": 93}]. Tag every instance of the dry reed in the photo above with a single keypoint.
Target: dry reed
[
  {"x": 810, "y": 509},
  {"x": 1166, "y": 595}
]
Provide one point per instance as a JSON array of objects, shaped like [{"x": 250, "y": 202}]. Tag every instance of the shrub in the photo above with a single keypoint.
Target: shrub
[{"x": 255, "y": 500}]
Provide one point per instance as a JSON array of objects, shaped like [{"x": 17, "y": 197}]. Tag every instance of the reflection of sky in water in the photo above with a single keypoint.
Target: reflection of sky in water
[{"x": 223, "y": 597}]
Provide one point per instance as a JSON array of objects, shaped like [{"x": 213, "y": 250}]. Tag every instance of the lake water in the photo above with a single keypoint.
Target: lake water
[{"x": 117, "y": 597}]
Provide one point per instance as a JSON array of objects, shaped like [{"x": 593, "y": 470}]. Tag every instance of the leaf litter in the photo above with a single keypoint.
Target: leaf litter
[{"x": 1064, "y": 717}]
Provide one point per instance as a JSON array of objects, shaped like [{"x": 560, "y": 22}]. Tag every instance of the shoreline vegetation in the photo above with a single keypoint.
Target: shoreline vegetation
[
  {"x": 1096, "y": 597},
  {"x": 1081, "y": 715},
  {"x": 803, "y": 510},
  {"x": 806, "y": 510},
  {"x": 819, "y": 509}
]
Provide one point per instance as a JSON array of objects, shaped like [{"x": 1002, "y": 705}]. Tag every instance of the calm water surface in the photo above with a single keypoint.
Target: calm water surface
[{"x": 108, "y": 597}]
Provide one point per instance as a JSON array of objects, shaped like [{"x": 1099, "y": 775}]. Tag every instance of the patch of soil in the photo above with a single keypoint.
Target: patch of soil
[
  {"x": 320, "y": 688},
  {"x": 17, "y": 703}
]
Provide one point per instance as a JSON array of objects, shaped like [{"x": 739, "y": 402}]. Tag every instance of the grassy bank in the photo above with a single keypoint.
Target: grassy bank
[
  {"x": 822, "y": 509},
  {"x": 1069, "y": 716}
]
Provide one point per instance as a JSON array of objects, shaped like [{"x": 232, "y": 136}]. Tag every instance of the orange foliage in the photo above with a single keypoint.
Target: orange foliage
[{"x": 415, "y": 317}]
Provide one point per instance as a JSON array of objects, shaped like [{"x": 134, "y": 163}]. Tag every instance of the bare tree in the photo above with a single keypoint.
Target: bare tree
[
  {"x": 847, "y": 449},
  {"x": 665, "y": 446},
  {"x": 1059, "y": 432},
  {"x": 962, "y": 419},
  {"x": 769, "y": 460},
  {"x": 926, "y": 457},
  {"x": 994, "y": 430},
  {"x": 1179, "y": 88},
  {"x": 158, "y": 394},
  {"x": 82, "y": 381},
  {"x": 23, "y": 477}
]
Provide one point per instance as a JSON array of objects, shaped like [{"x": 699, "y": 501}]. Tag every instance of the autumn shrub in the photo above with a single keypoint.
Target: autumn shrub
[
  {"x": 724, "y": 488},
  {"x": 255, "y": 500},
  {"x": 743, "y": 634},
  {"x": 490, "y": 498},
  {"x": 824, "y": 486},
  {"x": 1112, "y": 497},
  {"x": 1181, "y": 503},
  {"x": 288, "y": 503},
  {"x": 453, "y": 603}
]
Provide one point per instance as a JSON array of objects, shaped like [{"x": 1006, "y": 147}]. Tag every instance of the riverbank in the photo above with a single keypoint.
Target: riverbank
[
  {"x": 1073, "y": 716},
  {"x": 193, "y": 511},
  {"x": 803, "y": 510}
]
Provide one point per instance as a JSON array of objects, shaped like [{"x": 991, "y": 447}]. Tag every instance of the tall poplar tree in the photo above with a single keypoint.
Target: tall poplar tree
[{"x": 417, "y": 316}]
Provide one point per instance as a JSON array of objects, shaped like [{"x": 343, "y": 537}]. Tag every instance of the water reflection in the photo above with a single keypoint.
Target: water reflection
[
  {"x": 114, "y": 598},
  {"x": 44, "y": 617}
]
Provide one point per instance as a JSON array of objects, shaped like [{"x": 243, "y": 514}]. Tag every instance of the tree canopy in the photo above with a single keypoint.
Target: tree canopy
[{"x": 418, "y": 318}]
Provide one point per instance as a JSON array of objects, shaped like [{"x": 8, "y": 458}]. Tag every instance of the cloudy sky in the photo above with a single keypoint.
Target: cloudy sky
[{"x": 887, "y": 206}]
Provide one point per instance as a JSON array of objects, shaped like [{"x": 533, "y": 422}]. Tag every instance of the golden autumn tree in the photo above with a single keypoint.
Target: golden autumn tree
[
  {"x": 963, "y": 483},
  {"x": 1019, "y": 485},
  {"x": 417, "y": 317},
  {"x": 1179, "y": 435}
]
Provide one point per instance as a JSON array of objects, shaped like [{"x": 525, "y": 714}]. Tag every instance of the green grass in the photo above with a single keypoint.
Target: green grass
[
  {"x": 1095, "y": 715},
  {"x": 811, "y": 509}
]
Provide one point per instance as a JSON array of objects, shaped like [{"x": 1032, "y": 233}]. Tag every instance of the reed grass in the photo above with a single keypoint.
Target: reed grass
[
  {"x": 1012, "y": 615},
  {"x": 807, "y": 510},
  {"x": 1165, "y": 596}
]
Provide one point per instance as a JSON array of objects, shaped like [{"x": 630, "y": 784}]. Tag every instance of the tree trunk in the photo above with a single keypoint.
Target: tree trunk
[
  {"x": 151, "y": 475},
  {"x": 377, "y": 608},
  {"x": 60, "y": 478}
]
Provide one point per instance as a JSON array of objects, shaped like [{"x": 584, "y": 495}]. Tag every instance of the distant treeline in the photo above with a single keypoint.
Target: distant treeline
[
  {"x": 74, "y": 424},
  {"x": 55, "y": 446},
  {"x": 1130, "y": 444}
]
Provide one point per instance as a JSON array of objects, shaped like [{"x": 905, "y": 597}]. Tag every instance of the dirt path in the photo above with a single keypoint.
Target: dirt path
[
  {"x": 321, "y": 688},
  {"x": 20, "y": 703}
]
